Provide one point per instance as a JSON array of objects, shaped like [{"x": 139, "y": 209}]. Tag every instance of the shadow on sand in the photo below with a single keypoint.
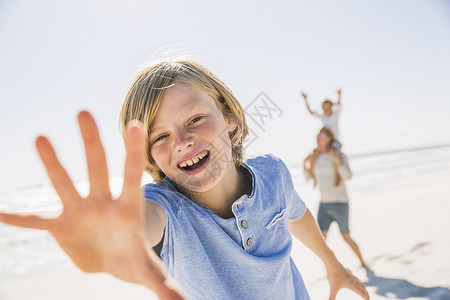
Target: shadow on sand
[{"x": 403, "y": 289}]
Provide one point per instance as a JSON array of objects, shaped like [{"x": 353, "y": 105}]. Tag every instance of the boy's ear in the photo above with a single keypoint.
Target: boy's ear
[{"x": 231, "y": 125}]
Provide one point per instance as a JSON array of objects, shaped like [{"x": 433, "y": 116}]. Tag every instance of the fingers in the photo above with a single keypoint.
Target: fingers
[
  {"x": 56, "y": 172},
  {"x": 349, "y": 281},
  {"x": 26, "y": 221},
  {"x": 135, "y": 161},
  {"x": 356, "y": 286},
  {"x": 359, "y": 288},
  {"x": 95, "y": 155}
]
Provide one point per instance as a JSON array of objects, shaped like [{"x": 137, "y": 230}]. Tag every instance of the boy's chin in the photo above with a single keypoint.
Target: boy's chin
[
  {"x": 195, "y": 185},
  {"x": 198, "y": 187}
]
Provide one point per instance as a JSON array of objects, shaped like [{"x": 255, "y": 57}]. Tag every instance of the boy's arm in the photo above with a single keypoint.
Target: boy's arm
[
  {"x": 100, "y": 233},
  {"x": 306, "y": 230},
  {"x": 155, "y": 222},
  {"x": 306, "y": 102}
]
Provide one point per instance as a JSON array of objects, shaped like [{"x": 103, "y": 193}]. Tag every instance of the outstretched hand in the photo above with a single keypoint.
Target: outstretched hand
[
  {"x": 343, "y": 278},
  {"x": 98, "y": 232}
]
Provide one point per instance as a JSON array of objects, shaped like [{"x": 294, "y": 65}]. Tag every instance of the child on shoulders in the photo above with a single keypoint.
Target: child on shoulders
[{"x": 329, "y": 116}]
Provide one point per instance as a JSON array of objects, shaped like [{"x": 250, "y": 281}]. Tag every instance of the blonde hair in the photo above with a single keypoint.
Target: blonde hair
[
  {"x": 147, "y": 90},
  {"x": 327, "y": 101}
]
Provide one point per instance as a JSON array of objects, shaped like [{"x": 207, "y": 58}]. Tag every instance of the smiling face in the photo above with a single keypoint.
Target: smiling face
[
  {"x": 145, "y": 95},
  {"x": 327, "y": 108},
  {"x": 189, "y": 139}
]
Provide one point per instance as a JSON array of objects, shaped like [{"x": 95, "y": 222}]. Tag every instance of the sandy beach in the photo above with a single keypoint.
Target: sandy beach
[
  {"x": 401, "y": 227},
  {"x": 403, "y": 233}
]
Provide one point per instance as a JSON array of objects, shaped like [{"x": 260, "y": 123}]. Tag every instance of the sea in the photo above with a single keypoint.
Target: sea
[{"x": 25, "y": 252}]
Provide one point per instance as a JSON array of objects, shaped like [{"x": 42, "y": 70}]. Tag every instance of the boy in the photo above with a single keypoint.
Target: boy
[{"x": 225, "y": 225}]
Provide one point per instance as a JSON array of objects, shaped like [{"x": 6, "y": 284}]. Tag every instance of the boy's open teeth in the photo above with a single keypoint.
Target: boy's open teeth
[{"x": 191, "y": 162}]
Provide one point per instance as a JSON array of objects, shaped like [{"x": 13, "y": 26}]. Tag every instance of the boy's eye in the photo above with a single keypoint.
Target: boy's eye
[
  {"x": 195, "y": 120},
  {"x": 159, "y": 138}
]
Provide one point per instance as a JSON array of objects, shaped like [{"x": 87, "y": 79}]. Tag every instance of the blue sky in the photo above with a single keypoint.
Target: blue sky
[{"x": 391, "y": 58}]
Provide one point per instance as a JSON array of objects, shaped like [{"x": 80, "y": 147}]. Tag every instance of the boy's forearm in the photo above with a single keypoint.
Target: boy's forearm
[{"x": 306, "y": 231}]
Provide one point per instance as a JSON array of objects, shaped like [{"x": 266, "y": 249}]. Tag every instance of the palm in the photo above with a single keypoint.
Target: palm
[
  {"x": 99, "y": 228},
  {"x": 100, "y": 233}
]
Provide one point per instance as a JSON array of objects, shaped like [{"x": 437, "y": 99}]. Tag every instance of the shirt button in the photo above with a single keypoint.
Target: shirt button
[
  {"x": 249, "y": 242},
  {"x": 244, "y": 224}
]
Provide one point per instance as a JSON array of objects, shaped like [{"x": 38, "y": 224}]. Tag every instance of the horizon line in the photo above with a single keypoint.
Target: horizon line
[{"x": 412, "y": 149}]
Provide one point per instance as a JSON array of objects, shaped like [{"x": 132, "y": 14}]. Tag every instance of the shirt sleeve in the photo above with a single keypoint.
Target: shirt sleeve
[
  {"x": 167, "y": 200},
  {"x": 295, "y": 206},
  {"x": 344, "y": 168},
  {"x": 152, "y": 193}
]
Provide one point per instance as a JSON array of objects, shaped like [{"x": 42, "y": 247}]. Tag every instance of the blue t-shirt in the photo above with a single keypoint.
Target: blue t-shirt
[{"x": 245, "y": 257}]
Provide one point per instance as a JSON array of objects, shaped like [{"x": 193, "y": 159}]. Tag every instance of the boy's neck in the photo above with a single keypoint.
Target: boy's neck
[{"x": 237, "y": 182}]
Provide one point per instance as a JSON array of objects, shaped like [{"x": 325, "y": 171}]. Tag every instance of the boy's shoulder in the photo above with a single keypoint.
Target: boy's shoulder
[
  {"x": 155, "y": 186},
  {"x": 262, "y": 158},
  {"x": 266, "y": 163},
  {"x": 161, "y": 191}
]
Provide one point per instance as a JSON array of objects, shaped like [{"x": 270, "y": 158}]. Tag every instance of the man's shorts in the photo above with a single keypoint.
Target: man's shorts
[{"x": 329, "y": 212}]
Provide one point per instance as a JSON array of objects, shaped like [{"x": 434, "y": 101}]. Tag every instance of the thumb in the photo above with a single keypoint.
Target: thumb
[{"x": 333, "y": 293}]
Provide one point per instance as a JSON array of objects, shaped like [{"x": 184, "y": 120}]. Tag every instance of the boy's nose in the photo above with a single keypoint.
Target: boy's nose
[{"x": 183, "y": 141}]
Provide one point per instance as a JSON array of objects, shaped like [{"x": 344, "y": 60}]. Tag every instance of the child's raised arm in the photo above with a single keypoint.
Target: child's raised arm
[
  {"x": 100, "y": 233},
  {"x": 339, "y": 91},
  {"x": 306, "y": 230},
  {"x": 306, "y": 102}
]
